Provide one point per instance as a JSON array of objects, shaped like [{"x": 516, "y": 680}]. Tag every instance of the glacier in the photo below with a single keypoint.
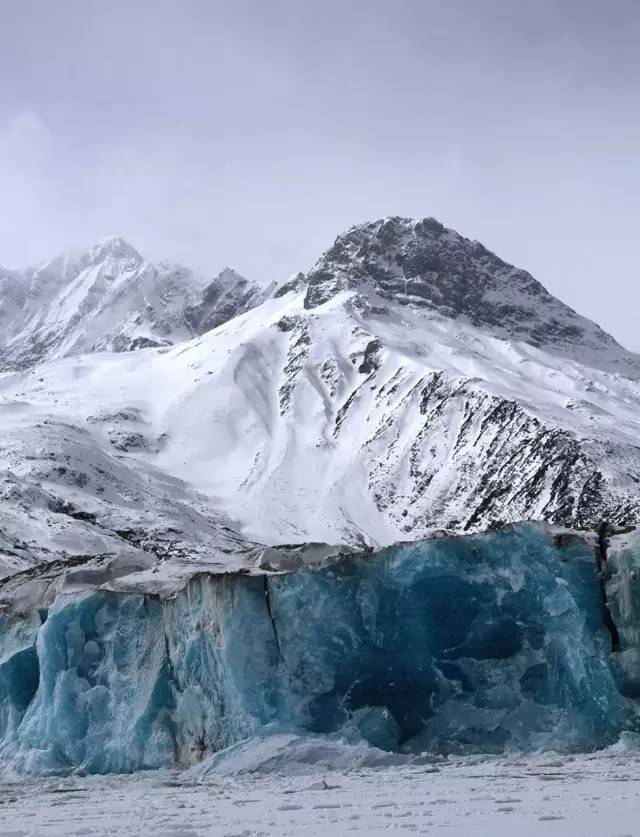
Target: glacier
[{"x": 518, "y": 639}]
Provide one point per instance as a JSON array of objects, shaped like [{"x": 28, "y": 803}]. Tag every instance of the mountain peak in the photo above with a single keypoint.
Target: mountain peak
[
  {"x": 229, "y": 273},
  {"x": 226, "y": 296},
  {"x": 108, "y": 297},
  {"x": 115, "y": 247},
  {"x": 425, "y": 265}
]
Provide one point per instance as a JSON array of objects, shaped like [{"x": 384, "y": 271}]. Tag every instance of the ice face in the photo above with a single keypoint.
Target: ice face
[
  {"x": 104, "y": 694},
  {"x": 482, "y": 644},
  {"x": 470, "y": 644},
  {"x": 622, "y": 578},
  {"x": 18, "y": 674}
]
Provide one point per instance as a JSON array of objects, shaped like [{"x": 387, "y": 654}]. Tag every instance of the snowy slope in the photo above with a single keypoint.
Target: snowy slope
[
  {"x": 67, "y": 490},
  {"x": 348, "y": 409},
  {"x": 110, "y": 298}
]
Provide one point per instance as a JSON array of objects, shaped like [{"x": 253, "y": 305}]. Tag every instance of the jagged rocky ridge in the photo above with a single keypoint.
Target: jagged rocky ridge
[
  {"x": 109, "y": 298},
  {"x": 485, "y": 643}
]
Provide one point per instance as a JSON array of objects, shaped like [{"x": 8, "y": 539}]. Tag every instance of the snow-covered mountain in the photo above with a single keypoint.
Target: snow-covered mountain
[
  {"x": 110, "y": 298},
  {"x": 411, "y": 381}
]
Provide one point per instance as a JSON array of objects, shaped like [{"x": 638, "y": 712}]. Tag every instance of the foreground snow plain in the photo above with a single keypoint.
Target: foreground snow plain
[{"x": 595, "y": 795}]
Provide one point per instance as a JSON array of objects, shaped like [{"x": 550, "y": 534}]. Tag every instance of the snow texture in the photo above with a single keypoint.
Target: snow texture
[{"x": 536, "y": 796}]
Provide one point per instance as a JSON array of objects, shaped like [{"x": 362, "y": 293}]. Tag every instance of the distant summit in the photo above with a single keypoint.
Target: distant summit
[
  {"x": 115, "y": 247},
  {"x": 228, "y": 295},
  {"x": 109, "y": 298}
]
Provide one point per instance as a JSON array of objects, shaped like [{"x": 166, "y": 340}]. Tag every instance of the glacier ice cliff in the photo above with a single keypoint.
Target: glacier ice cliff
[{"x": 521, "y": 638}]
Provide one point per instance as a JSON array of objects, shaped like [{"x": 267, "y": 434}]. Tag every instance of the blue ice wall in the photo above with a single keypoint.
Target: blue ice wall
[
  {"x": 484, "y": 644},
  {"x": 622, "y": 582},
  {"x": 224, "y": 661},
  {"x": 103, "y": 701},
  {"x": 19, "y": 676}
]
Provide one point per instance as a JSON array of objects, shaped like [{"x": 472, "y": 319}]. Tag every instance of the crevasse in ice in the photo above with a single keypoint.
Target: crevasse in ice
[{"x": 482, "y": 643}]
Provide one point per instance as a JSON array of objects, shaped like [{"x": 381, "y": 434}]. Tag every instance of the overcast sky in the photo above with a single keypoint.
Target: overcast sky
[{"x": 251, "y": 133}]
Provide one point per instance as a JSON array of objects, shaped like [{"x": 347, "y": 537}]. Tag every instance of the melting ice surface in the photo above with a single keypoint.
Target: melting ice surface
[{"x": 482, "y": 643}]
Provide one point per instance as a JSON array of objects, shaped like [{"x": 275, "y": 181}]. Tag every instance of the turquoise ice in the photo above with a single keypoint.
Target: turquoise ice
[{"x": 485, "y": 643}]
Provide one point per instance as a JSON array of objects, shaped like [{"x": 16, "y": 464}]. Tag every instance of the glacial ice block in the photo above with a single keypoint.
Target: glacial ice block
[
  {"x": 103, "y": 701},
  {"x": 477, "y": 643},
  {"x": 483, "y": 643},
  {"x": 621, "y": 572},
  {"x": 18, "y": 674}
]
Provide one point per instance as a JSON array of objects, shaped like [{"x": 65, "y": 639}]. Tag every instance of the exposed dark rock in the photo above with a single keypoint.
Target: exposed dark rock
[{"x": 425, "y": 265}]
